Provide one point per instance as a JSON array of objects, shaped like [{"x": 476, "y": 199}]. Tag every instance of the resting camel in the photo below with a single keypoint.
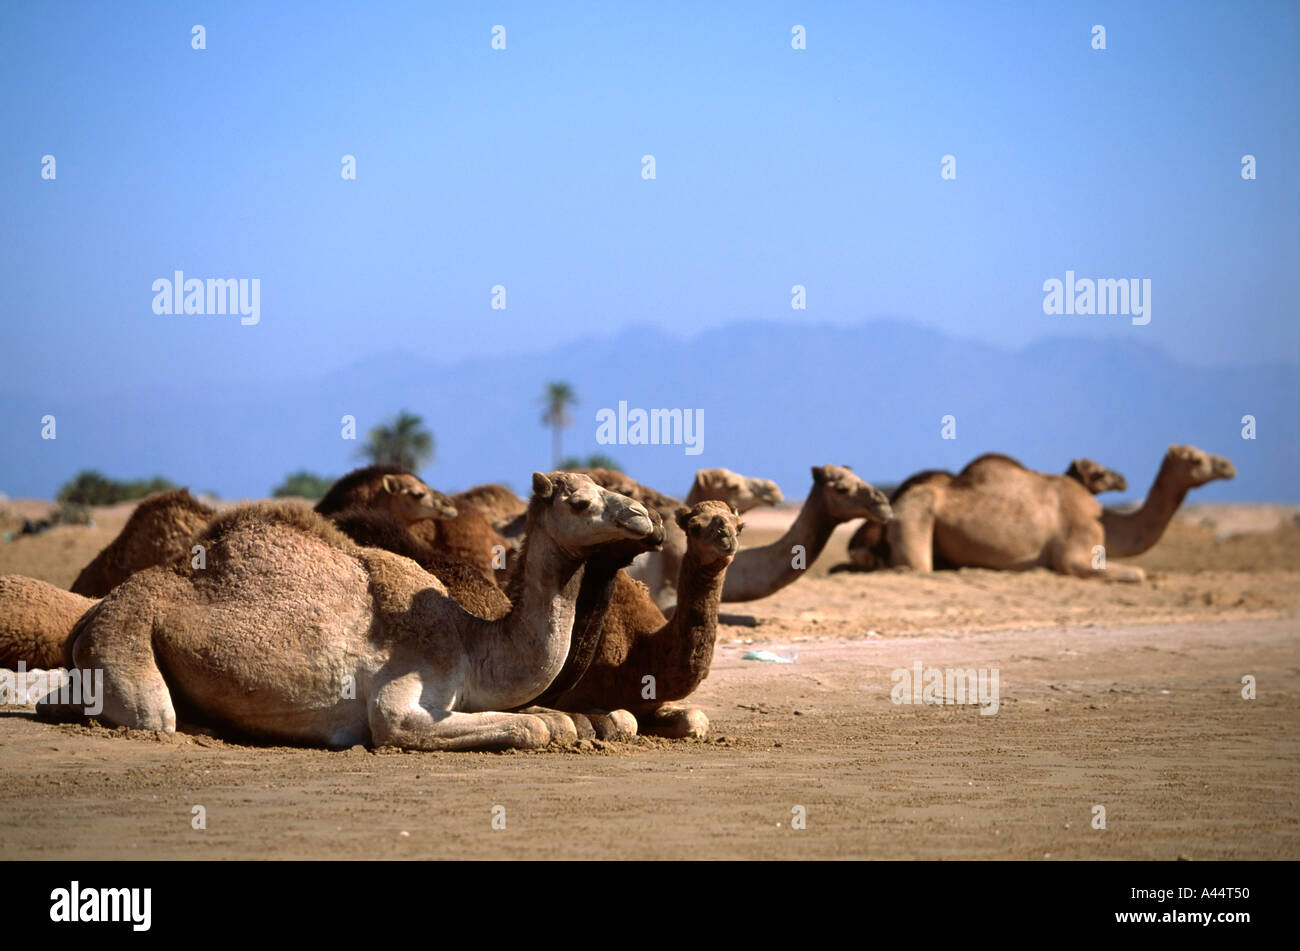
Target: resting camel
[
  {"x": 997, "y": 514},
  {"x": 35, "y": 621},
  {"x": 868, "y": 549},
  {"x": 164, "y": 528},
  {"x": 837, "y": 495},
  {"x": 659, "y": 570},
  {"x": 638, "y": 642},
  {"x": 502, "y": 508},
  {"x": 474, "y": 587},
  {"x": 160, "y": 530},
  {"x": 388, "y": 488},
  {"x": 295, "y": 633}
]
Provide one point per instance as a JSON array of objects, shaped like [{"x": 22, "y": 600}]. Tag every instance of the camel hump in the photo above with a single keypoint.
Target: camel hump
[
  {"x": 257, "y": 516},
  {"x": 924, "y": 477},
  {"x": 991, "y": 458}
]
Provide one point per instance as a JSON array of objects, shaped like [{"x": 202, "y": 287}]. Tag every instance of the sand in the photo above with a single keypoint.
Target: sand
[{"x": 1127, "y": 697}]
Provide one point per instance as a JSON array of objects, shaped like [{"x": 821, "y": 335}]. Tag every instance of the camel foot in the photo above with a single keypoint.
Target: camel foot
[
  {"x": 613, "y": 725},
  {"x": 675, "y": 723},
  {"x": 1126, "y": 574},
  {"x": 561, "y": 726}
]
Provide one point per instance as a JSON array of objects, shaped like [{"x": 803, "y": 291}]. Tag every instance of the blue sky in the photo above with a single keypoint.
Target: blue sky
[{"x": 522, "y": 167}]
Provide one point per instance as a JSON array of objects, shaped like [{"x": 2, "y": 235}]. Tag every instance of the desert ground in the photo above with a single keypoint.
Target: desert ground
[{"x": 1116, "y": 695}]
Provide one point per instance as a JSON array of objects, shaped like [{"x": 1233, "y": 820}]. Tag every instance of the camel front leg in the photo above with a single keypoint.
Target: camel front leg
[
  {"x": 911, "y": 532},
  {"x": 1078, "y": 557},
  {"x": 398, "y": 719}
]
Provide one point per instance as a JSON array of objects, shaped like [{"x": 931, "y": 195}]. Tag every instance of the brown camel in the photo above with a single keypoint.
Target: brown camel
[
  {"x": 502, "y": 508},
  {"x": 997, "y": 514},
  {"x": 295, "y": 633},
  {"x": 659, "y": 570},
  {"x": 163, "y": 529},
  {"x": 35, "y": 621},
  {"x": 868, "y": 549},
  {"x": 388, "y": 488},
  {"x": 159, "y": 531},
  {"x": 163, "y": 526},
  {"x": 468, "y": 581},
  {"x": 837, "y": 495},
  {"x": 645, "y": 661}
]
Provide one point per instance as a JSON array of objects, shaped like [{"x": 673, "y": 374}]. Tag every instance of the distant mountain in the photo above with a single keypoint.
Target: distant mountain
[{"x": 776, "y": 400}]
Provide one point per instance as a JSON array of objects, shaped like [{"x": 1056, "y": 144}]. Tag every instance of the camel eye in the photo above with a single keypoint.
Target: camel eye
[
  {"x": 418, "y": 494},
  {"x": 579, "y": 504},
  {"x": 842, "y": 489},
  {"x": 740, "y": 527}
]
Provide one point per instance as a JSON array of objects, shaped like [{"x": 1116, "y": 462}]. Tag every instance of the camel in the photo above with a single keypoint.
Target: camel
[
  {"x": 35, "y": 620},
  {"x": 997, "y": 514},
  {"x": 160, "y": 530},
  {"x": 638, "y": 642},
  {"x": 502, "y": 508},
  {"x": 659, "y": 570},
  {"x": 294, "y": 633},
  {"x": 163, "y": 526},
  {"x": 473, "y": 587},
  {"x": 868, "y": 549},
  {"x": 1183, "y": 469},
  {"x": 390, "y": 488},
  {"x": 837, "y": 495},
  {"x": 742, "y": 492}
]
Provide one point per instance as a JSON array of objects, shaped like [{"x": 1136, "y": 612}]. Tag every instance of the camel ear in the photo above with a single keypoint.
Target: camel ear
[
  {"x": 682, "y": 516},
  {"x": 819, "y": 475},
  {"x": 390, "y": 484},
  {"x": 542, "y": 487}
]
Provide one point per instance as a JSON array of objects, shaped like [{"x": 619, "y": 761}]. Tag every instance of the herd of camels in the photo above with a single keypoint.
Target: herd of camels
[{"x": 394, "y": 615}]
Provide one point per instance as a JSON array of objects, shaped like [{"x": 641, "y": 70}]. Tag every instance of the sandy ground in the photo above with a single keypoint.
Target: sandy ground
[{"x": 1122, "y": 696}]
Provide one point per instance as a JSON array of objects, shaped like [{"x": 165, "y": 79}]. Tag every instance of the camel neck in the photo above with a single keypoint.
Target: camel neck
[
  {"x": 514, "y": 659},
  {"x": 757, "y": 572},
  {"x": 594, "y": 597},
  {"x": 1131, "y": 533},
  {"x": 684, "y": 645}
]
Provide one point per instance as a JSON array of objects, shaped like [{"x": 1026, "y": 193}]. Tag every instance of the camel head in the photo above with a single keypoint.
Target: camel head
[
  {"x": 1194, "y": 467},
  {"x": 410, "y": 500},
  {"x": 723, "y": 485},
  {"x": 1095, "y": 477},
  {"x": 581, "y": 516},
  {"x": 712, "y": 531},
  {"x": 846, "y": 496}
]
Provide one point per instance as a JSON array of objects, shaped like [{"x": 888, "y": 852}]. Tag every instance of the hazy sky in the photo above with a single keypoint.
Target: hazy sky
[{"x": 522, "y": 167}]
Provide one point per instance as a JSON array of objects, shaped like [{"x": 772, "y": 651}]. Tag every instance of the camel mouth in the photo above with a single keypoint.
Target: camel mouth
[
  {"x": 1223, "y": 469},
  {"x": 637, "y": 524}
]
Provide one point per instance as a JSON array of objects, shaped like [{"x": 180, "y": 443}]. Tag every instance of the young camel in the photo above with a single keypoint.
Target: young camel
[
  {"x": 295, "y": 633},
  {"x": 837, "y": 495},
  {"x": 659, "y": 570},
  {"x": 998, "y": 514},
  {"x": 869, "y": 550},
  {"x": 637, "y": 642}
]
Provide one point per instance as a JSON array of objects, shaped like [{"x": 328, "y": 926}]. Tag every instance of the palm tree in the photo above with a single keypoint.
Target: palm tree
[
  {"x": 403, "y": 442},
  {"x": 557, "y": 398}
]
